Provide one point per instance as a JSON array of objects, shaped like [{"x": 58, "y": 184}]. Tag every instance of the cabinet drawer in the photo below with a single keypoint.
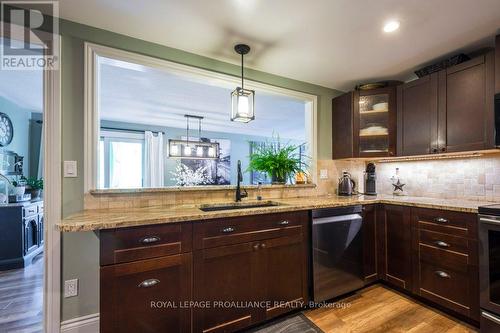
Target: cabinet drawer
[
  {"x": 132, "y": 294},
  {"x": 444, "y": 241},
  {"x": 30, "y": 210},
  {"x": 452, "y": 223},
  {"x": 445, "y": 286},
  {"x": 137, "y": 243},
  {"x": 445, "y": 258},
  {"x": 247, "y": 228}
]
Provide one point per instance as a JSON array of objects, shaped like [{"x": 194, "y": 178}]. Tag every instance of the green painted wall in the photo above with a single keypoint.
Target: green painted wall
[{"x": 80, "y": 251}]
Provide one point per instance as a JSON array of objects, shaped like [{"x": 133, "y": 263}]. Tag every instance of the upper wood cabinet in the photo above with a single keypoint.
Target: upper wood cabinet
[
  {"x": 448, "y": 111},
  {"x": 374, "y": 122},
  {"x": 466, "y": 105},
  {"x": 342, "y": 126},
  {"x": 417, "y": 116},
  {"x": 364, "y": 124}
]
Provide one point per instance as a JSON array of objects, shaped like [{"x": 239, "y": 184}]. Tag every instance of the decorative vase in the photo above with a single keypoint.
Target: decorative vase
[
  {"x": 18, "y": 191},
  {"x": 35, "y": 194},
  {"x": 277, "y": 180}
]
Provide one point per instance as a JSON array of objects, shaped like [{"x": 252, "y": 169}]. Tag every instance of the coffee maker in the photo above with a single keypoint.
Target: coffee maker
[{"x": 370, "y": 177}]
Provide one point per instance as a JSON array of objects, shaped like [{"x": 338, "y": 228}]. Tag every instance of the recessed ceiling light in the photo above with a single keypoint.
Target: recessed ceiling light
[{"x": 391, "y": 26}]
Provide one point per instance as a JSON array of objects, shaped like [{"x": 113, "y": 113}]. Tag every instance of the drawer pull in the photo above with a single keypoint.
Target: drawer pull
[
  {"x": 490, "y": 317},
  {"x": 285, "y": 222},
  {"x": 441, "y": 220},
  {"x": 150, "y": 239},
  {"x": 228, "y": 230},
  {"x": 256, "y": 247},
  {"x": 442, "y": 274},
  {"x": 263, "y": 245},
  {"x": 149, "y": 283},
  {"x": 442, "y": 244}
]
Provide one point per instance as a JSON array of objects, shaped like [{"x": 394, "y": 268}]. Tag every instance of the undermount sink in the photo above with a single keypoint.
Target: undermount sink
[{"x": 237, "y": 205}]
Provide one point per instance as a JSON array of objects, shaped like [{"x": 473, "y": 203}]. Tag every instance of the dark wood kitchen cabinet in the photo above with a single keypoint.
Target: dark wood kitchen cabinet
[
  {"x": 369, "y": 232},
  {"x": 146, "y": 296},
  {"x": 146, "y": 278},
  {"x": 394, "y": 238},
  {"x": 259, "y": 258},
  {"x": 445, "y": 251},
  {"x": 225, "y": 274},
  {"x": 342, "y": 138},
  {"x": 374, "y": 122},
  {"x": 418, "y": 116},
  {"x": 466, "y": 105},
  {"x": 364, "y": 123},
  {"x": 285, "y": 262}
]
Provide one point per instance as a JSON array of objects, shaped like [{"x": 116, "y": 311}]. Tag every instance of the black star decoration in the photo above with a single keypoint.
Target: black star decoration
[{"x": 398, "y": 186}]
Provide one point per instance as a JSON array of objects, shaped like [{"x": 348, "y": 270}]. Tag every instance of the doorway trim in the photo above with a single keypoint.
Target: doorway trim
[{"x": 52, "y": 198}]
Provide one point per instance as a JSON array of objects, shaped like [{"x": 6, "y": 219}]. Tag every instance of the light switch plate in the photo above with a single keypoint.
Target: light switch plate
[
  {"x": 323, "y": 174},
  {"x": 70, "y": 169},
  {"x": 71, "y": 288}
]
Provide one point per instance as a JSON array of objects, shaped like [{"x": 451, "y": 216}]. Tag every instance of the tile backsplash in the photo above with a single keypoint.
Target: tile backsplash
[{"x": 476, "y": 178}]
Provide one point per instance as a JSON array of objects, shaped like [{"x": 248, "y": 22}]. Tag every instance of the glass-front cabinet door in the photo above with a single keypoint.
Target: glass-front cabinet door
[{"x": 375, "y": 122}]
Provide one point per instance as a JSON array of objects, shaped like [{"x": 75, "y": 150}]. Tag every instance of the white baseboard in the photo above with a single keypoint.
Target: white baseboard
[{"x": 85, "y": 324}]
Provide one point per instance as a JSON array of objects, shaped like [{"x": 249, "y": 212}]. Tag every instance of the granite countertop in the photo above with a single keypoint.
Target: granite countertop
[{"x": 97, "y": 219}]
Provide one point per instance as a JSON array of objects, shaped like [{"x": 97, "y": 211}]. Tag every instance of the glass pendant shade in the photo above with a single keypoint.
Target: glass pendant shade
[{"x": 242, "y": 105}]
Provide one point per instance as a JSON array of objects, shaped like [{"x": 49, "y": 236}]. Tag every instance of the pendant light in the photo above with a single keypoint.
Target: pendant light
[
  {"x": 190, "y": 149},
  {"x": 242, "y": 100}
]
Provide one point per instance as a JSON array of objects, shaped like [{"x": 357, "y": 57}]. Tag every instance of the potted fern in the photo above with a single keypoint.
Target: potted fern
[{"x": 280, "y": 161}]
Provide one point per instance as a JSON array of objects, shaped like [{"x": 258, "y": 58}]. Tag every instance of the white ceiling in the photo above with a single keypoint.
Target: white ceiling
[
  {"x": 334, "y": 43},
  {"x": 141, "y": 95}
]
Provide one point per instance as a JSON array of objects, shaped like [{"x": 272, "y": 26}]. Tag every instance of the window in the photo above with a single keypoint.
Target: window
[
  {"x": 138, "y": 93},
  {"x": 121, "y": 160}
]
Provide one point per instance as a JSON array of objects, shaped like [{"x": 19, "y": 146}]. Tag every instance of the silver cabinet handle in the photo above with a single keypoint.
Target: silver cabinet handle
[
  {"x": 285, "y": 222},
  {"x": 490, "y": 221},
  {"x": 442, "y": 274},
  {"x": 441, "y": 244},
  {"x": 149, "y": 283},
  {"x": 263, "y": 245},
  {"x": 149, "y": 239},
  {"x": 441, "y": 220},
  {"x": 490, "y": 317},
  {"x": 228, "y": 230},
  {"x": 256, "y": 247}
]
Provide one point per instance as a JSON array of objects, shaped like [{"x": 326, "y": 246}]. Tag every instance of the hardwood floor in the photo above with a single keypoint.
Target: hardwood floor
[
  {"x": 21, "y": 298},
  {"x": 378, "y": 309}
]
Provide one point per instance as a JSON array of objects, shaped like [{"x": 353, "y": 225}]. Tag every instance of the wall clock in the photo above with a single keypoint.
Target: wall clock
[{"x": 6, "y": 130}]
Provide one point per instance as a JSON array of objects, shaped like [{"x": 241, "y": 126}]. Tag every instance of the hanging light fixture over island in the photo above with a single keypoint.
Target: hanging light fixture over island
[
  {"x": 193, "y": 149},
  {"x": 242, "y": 100}
]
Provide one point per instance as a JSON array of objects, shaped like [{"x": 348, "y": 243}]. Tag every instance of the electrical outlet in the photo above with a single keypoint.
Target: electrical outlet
[
  {"x": 71, "y": 288},
  {"x": 323, "y": 174}
]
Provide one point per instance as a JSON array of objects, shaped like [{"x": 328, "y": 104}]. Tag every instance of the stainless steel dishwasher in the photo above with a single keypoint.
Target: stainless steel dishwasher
[{"x": 337, "y": 251}]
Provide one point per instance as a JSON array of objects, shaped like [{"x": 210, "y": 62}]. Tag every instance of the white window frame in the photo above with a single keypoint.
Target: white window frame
[
  {"x": 91, "y": 117},
  {"x": 119, "y": 136}
]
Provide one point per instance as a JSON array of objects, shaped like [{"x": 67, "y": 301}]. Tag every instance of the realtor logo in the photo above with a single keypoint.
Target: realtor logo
[{"x": 29, "y": 37}]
